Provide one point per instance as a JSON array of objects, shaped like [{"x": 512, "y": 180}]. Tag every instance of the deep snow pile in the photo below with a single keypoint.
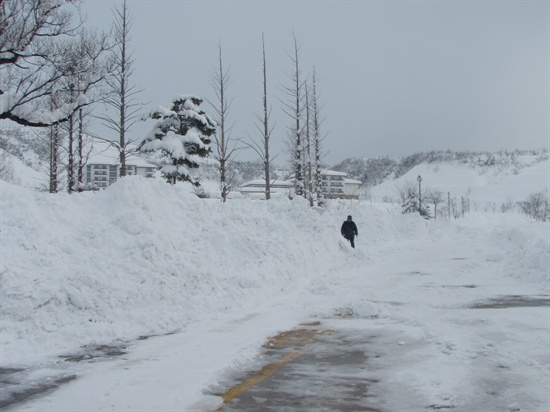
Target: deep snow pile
[
  {"x": 144, "y": 257},
  {"x": 141, "y": 257}
]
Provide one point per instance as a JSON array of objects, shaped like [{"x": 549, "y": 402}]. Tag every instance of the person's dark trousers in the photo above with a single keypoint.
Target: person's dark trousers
[{"x": 351, "y": 237}]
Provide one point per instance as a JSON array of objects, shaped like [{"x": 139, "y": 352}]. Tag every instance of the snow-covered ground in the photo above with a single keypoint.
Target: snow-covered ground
[
  {"x": 484, "y": 186},
  {"x": 209, "y": 282}
]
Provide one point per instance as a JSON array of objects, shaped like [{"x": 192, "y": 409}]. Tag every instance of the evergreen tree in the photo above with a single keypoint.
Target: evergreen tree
[{"x": 182, "y": 136}]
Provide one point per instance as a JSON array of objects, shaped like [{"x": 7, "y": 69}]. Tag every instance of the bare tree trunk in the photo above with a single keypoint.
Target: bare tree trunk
[
  {"x": 220, "y": 80},
  {"x": 294, "y": 110},
  {"x": 80, "y": 150},
  {"x": 70, "y": 158},
  {"x": 307, "y": 157},
  {"x": 262, "y": 149},
  {"x": 54, "y": 159},
  {"x": 121, "y": 95},
  {"x": 123, "y": 74},
  {"x": 267, "y": 176},
  {"x": 222, "y": 152},
  {"x": 317, "y": 139},
  {"x": 297, "y": 115}
]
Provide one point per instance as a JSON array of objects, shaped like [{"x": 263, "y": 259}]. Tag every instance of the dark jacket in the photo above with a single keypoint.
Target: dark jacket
[{"x": 349, "y": 228}]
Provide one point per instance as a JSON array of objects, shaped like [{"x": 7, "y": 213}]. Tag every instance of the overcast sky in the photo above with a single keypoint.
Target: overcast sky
[{"x": 396, "y": 77}]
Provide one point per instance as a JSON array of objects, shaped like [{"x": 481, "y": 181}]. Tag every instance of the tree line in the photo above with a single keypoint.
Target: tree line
[
  {"x": 373, "y": 171},
  {"x": 53, "y": 71}
]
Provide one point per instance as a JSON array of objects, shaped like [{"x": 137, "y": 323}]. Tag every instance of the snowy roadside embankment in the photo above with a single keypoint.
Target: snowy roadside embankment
[{"x": 144, "y": 257}]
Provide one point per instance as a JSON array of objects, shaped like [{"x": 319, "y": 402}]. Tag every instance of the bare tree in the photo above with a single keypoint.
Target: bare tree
[
  {"x": 85, "y": 66},
  {"x": 308, "y": 166},
  {"x": 318, "y": 138},
  {"x": 121, "y": 93},
  {"x": 436, "y": 197},
  {"x": 294, "y": 108},
  {"x": 220, "y": 80},
  {"x": 35, "y": 36},
  {"x": 54, "y": 146},
  {"x": 262, "y": 149}
]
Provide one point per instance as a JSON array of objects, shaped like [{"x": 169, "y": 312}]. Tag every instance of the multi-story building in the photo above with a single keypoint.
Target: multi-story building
[
  {"x": 337, "y": 185},
  {"x": 103, "y": 167}
]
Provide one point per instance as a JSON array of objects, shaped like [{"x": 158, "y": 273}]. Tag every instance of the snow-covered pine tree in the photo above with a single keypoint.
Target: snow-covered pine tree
[{"x": 182, "y": 136}]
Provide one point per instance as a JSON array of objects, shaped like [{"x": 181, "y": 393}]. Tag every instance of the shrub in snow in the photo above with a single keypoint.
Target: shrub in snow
[
  {"x": 536, "y": 206},
  {"x": 410, "y": 202}
]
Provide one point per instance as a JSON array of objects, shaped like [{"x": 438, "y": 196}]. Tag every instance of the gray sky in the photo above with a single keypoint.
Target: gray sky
[{"x": 396, "y": 77}]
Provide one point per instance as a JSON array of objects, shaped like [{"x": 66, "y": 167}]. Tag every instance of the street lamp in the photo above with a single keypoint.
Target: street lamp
[{"x": 419, "y": 178}]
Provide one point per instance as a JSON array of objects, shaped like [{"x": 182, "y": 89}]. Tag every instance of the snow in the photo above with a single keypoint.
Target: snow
[
  {"x": 481, "y": 184},
  {"x": 20, "y": 174},
  {"x": 208, "y": 282},
  {"x": 105, "y": 153}
]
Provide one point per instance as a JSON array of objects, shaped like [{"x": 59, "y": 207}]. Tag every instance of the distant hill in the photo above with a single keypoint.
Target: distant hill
[
  {"x": 373, "y": 171},
  {"x": 488, "y": 181}
]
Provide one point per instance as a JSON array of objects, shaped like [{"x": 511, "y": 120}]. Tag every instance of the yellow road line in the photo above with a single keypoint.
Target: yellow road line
[
  {"x": 265, "y": 373},
  {"x": 297, "y": 338}
]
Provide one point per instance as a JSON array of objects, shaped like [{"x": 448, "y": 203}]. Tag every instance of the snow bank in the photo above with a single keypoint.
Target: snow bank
[{"x": 143, "y": 257}]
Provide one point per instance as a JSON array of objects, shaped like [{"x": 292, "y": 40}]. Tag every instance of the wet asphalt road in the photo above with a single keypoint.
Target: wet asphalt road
[
  {"x": 327, "y": 372},
  {"x": 338, "y": 364}
]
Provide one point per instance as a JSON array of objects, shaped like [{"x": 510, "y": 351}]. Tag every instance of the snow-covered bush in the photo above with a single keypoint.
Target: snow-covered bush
[
  {"x": 536, "y": 206},
  {"x": 182, "y": 135}
]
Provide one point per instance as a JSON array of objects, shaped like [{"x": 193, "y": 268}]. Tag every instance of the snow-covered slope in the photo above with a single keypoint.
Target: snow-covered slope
[
  {"x": 146, "y": 258},
  {"x": 18, "y": 173},
  {"x": 482, "y": 185}
]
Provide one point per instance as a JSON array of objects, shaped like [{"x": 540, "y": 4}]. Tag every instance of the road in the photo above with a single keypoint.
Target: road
[{"x": 437, "y": 328}]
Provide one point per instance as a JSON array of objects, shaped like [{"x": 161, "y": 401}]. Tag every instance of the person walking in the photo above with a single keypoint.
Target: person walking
[{"x": 349, "y": 230}]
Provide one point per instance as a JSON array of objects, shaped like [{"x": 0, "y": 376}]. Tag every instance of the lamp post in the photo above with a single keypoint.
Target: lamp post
[{"x": 419, "y": 178}]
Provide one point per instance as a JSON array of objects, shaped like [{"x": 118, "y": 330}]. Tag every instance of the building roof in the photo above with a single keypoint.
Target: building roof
[
  {"x": 352, "y": 181},
  {"x": 105, "y": 154},
  {"x": 327, "y": 172},
  {"x": 261, "y": 183}
]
